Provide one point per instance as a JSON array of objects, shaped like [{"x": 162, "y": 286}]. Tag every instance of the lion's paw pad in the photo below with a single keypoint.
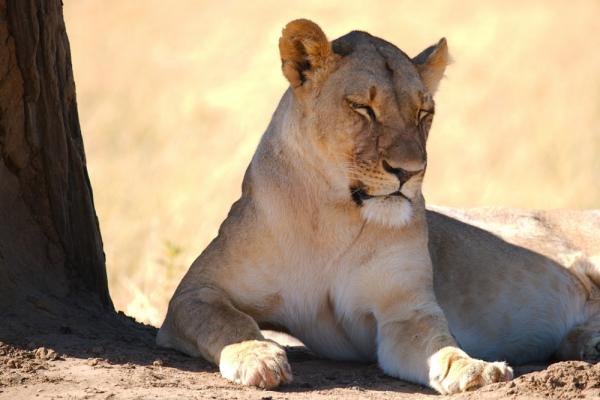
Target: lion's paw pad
[{"x": 255, "y": 363}]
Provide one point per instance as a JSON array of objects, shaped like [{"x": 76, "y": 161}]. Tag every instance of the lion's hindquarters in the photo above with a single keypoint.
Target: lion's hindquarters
[{"x": 515, "y": 303}]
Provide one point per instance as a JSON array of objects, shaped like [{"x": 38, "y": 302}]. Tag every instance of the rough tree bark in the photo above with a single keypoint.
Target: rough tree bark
[{"x": 51, "y": 252}]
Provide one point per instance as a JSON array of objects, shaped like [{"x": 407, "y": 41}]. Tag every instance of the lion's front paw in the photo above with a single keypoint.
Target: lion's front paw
[
  {"x": 453, "y": 371},
  {"x": 255, "y": 363}
]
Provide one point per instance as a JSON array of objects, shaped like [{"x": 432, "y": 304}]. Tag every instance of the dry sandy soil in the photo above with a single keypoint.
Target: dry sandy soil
[{"x": 75, "y": 362}]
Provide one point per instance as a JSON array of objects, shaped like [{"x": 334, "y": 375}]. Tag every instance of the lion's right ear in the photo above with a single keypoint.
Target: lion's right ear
[{"x": 305, "y": 51}]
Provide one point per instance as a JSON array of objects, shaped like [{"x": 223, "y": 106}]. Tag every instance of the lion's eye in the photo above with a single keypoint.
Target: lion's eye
[
  {"x": 423, "y": 114},
  {"x": 364, "y": 110}
]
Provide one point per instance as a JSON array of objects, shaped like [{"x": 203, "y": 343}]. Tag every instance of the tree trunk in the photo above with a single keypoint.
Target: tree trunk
[{"x": 50, "y": 245}]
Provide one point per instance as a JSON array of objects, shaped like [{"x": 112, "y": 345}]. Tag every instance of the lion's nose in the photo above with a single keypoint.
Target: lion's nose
[{"x": 402, "y": 174}]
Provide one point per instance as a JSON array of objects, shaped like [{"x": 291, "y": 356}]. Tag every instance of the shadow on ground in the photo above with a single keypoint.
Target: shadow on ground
[
  {"x": 121, "y": 342},
  {"x": 110, "y": 356}
]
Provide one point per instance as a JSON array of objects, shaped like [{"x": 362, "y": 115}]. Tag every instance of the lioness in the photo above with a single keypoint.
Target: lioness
[{"x": 331, "y": 241}]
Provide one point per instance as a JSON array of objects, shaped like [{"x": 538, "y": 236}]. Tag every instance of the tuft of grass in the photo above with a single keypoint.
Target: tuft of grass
[{"x": 147, "y": 300}]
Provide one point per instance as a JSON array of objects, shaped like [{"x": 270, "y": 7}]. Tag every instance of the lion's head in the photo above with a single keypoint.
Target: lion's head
[{"x": 366, "y": 111}]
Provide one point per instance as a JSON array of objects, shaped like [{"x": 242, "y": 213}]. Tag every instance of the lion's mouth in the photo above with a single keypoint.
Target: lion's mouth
[{"x": 359, "y": 195}]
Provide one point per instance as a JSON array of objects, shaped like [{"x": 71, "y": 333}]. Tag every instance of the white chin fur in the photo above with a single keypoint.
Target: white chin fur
[{"x": 390, "y": 212}]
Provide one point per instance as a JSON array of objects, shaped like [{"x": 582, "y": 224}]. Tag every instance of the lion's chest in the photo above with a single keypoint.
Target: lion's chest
[
  {"x": 331, "y": 305},
  {"x": 329, "y": 302},
  {"x": 327, "y": 314}
]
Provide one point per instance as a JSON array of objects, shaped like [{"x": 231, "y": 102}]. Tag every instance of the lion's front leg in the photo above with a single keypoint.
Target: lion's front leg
[
  {"x": 414, "y": 343},
  {"x": 204, "y": 321}
]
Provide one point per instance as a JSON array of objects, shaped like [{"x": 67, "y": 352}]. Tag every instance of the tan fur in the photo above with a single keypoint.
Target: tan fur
[{"x": 331, "y": 241}]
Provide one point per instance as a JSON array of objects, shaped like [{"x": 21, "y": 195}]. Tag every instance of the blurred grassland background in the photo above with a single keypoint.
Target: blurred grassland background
[{"x": 174, "y": 95}]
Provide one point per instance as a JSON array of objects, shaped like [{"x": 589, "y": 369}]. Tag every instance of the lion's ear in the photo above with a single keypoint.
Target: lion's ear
[
  {"x": 431, "y": 64},
  {"x": 304, "y": 49}
]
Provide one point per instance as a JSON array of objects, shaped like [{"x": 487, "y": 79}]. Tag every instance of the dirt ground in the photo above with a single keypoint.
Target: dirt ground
[{"x": 74, "y": 361}]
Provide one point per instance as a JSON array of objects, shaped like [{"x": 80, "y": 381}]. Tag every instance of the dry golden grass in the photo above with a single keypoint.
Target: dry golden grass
[{"x": 173, "y": 97}]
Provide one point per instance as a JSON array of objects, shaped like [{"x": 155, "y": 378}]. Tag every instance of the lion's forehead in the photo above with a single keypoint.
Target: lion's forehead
[
  {"x": 393, "y": 76},
  {"x": 395, "y": 98}
]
